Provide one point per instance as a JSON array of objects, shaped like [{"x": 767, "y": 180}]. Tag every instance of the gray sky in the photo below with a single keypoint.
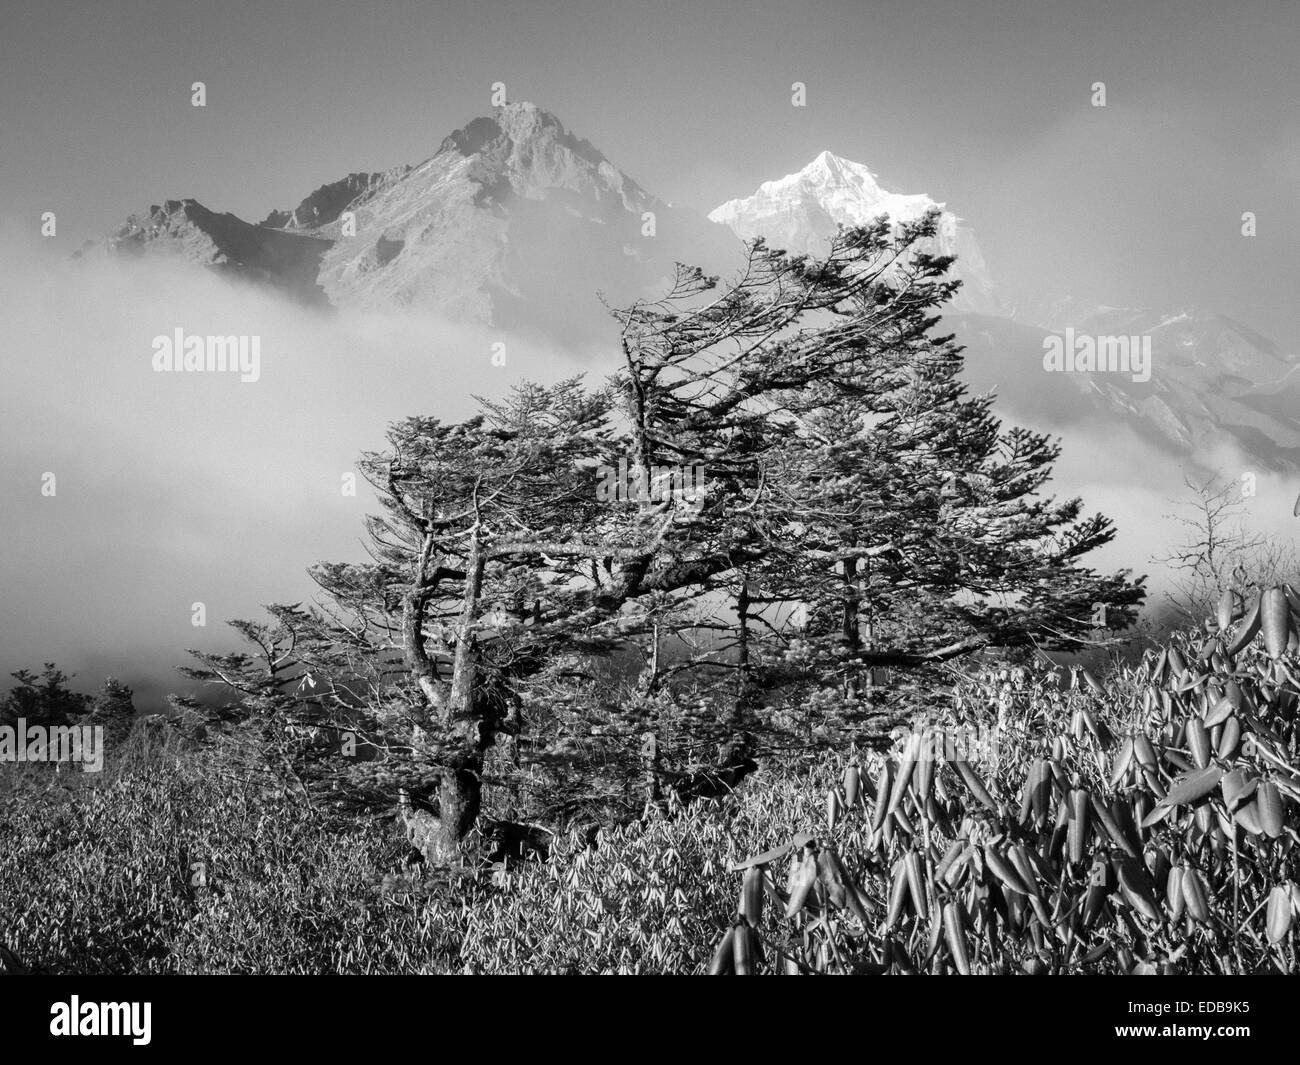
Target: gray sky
[{"x": 983, "y": 105}]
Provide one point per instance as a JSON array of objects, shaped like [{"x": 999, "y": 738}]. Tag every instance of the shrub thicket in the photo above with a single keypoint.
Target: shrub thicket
[{"x": 1145, "y": 825}]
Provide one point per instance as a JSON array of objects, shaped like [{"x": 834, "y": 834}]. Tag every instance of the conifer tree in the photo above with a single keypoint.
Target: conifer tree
[
  {"x": 113, "y": 709},
  {"x": 44, "y": 700}
]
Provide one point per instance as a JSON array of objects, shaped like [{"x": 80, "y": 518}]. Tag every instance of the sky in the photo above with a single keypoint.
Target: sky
[{"x": 171, "y": 494}]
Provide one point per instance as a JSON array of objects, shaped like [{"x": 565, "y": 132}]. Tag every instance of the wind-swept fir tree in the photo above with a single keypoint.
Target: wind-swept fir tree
[
  {"x": 876, "y": 516},
  {"x": 847, "y": 477}
]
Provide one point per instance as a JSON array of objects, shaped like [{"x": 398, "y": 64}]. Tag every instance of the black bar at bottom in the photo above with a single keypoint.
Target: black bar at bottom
[{"x": 302, "y": 1014}]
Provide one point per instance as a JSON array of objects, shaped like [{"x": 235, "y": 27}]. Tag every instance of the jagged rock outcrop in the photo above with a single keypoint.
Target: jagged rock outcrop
[
  {"x": 328, "y": 202},
  {"x": 189, "y": 231}
]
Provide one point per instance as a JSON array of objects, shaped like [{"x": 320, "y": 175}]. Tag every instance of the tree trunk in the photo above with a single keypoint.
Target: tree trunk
[
  {"x": 440, "y": 836},
  {"x": 460, "y": 708},
  {"x": 459, "y": 799},
  {"x": 737, "y": 747},
  {"x": 850, "y": 631},
  {"x": 650, "y": 768}
]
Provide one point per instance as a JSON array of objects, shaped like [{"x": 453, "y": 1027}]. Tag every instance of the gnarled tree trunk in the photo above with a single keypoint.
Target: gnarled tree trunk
[{"x": 461, "y": 709}]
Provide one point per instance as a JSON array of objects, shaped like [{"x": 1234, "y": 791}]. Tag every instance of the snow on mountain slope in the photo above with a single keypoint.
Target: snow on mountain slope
[{"x": 802, "y": 211}]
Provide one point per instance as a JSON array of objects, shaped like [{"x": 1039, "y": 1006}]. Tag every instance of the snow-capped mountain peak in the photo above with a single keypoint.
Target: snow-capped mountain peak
[
  {"x": 829, "y": 169},
  {"x": 850, "y": 187},
  {"x": 802, "y": 211}
]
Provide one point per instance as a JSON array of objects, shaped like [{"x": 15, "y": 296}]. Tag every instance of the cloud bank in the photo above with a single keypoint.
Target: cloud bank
[{"x": 171, "y": 489}]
